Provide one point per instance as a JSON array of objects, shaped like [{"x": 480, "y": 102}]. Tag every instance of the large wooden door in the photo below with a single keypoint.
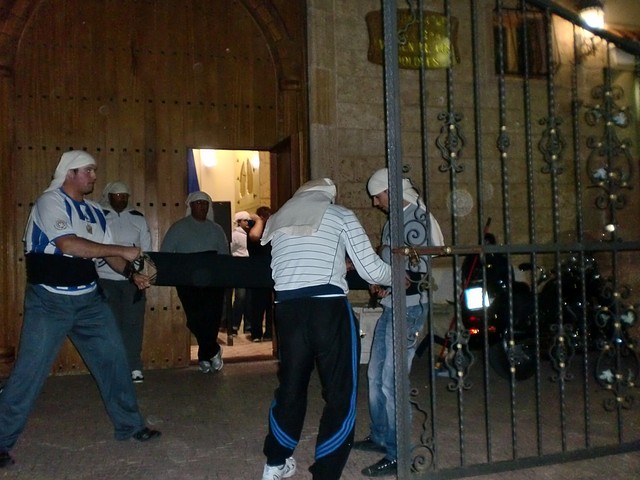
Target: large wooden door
[{"x": 285, "y": 170}]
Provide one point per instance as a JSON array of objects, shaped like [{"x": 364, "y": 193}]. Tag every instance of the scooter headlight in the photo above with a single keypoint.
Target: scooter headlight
[{"x": 473, "y": 298}]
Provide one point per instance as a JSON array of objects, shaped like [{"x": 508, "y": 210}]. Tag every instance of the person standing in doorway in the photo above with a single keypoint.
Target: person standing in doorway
[
  {"x": 65, "y": 233},
  {"x": 203, "y": 305},
  {"x": 241, "y": 301},
  {"x": 310, "y": 238},
  {"x": 420, "y": 230},
  {"x": 261, "y": 306},
  {"x": 128, "y": 227}
]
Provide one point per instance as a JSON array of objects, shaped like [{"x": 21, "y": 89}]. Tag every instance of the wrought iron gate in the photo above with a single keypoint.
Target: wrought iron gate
[{"x": 536, "y": 130}]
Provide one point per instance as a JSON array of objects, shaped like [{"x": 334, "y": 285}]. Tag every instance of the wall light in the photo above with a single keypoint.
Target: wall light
[
  {"x": 255, "y": 160},
  {"x": 592, "y": 12},
  {"x": 208, "y": 157}
]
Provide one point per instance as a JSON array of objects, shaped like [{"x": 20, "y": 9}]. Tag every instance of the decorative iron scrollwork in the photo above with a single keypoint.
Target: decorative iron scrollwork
[
  {"x": 413, "y": 19},
  {"x": 618, "y": 365},
  {"x": 552, "y": 145},
  {"x": 609, "y": 164},
  {"x": 459, "y": 360},
  {"x": 450, "y": 141},
  {"x": 422, "y": 454},
  {"x": 561, "y": 352}
]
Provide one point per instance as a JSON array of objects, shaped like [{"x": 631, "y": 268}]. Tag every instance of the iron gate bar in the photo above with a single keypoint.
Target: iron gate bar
[
  {"x": 580, "y": 224},
  {"x": 454, "y": 143},
  {"x": 529, "y": 462},
  {"x": 503, "y": 144},
  {"x": 479, "y": 156},
  {"x": 394, "y": 159},
  {"x": 521, "y": 248},
  {"x": 556, "y": 168},
  {"x": 425, "y": 184},
  {"x": 531, "y": 209}
]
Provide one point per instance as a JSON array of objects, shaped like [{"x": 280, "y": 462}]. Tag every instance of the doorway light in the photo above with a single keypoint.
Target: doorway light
[
  {"x": 255, "y": 160},
  {"x": 208, "y": 157},
  {"x": 592, "y": 12}
]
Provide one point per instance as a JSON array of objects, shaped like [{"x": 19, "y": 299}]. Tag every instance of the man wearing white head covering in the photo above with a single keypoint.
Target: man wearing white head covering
[
  {"x": 128, "y": 227},
  {"x": 420, "y": 230},
  {"x": 194, "y": 233},
  {"x": 311, "y": 238},
  {"x": 241, "y": 302},
  {"x": 65, "y": 233}
]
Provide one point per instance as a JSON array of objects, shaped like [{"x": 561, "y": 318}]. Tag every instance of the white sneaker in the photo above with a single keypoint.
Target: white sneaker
[
  {"x": 205, "y": 366},
  {"x": 216, "y": 362},
  {"x": 136, "y": 376},
  {"x": 277, "y": 472}
]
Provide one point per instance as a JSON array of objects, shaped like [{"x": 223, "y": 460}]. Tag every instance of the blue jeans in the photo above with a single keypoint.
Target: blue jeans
[
  {"x": 240, "y": 308},
  {"x": 128, "y": 306},
  {"x": 89, "y": 324},
  {"x": 381, "y": 374}
]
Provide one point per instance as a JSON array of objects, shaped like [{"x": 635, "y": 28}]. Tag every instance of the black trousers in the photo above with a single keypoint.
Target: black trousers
[
  {"x": 322, "y": 333},
  {"x": 261, "y": 305},
  {"x": 203, "y": 309}
]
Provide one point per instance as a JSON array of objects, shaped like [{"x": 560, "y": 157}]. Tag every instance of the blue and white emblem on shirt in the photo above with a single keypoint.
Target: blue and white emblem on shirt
[{"x": 60, "y": 225}]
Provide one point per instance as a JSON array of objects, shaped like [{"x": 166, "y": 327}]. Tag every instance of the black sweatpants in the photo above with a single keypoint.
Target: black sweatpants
[
  {"x": 203, "y": 309},
  {"x": 322, "y": 333}
]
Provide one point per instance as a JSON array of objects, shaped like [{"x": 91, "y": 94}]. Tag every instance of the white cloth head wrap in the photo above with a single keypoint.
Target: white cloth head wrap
[
  {"x": 199, "y": 195},
  {"x": 379, "y": 182},
  {"x": 69, "y": 161},
  {"x": 243, "y": 215},
  {"x": 302, "y": 213},
  {"x": 113, "y": 187}
]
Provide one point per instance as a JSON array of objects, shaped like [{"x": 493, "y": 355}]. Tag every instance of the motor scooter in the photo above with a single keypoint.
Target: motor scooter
[
  {"x": 565, "y": 323},
  {"x": 516, "y": 314}
]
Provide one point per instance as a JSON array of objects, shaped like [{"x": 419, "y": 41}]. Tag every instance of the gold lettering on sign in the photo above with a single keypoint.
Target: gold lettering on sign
[{"x": 438, "y": 41}]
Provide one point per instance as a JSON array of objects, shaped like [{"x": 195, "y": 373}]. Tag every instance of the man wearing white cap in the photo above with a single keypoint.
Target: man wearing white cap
[
  {"x": 197, "y": 232},
  {"x": 65, "y": 233},
  {"x": 310, "y": 239},
  {"x": 241, "y": 221},
  {"x": 420, "y": 230},
  {"x": 128, "y": 227}
]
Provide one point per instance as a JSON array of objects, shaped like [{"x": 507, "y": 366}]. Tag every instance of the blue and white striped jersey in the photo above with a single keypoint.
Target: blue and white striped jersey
[{"x": 54, "y": 215}]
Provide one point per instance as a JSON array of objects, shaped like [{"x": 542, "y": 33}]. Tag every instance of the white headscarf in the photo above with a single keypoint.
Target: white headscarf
[
  {"x": 302, "y": 213},
  {"x": 379, "y": 182},
  {"x": 243, "y": 215},
  {"x": 69, "y": 161},
  {"x": 113, "y": 187},
  {"x": 199, "y": 195}
]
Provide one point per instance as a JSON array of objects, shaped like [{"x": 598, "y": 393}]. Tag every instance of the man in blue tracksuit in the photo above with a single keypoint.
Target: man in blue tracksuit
[{"x": 310, "y": 238}]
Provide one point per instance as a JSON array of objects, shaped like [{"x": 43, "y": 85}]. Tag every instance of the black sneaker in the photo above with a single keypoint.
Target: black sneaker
[
  {"x": 146, "y": 434},
  {"x": 368, "y": 445},
  {"x": 5, "y": 459}
]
